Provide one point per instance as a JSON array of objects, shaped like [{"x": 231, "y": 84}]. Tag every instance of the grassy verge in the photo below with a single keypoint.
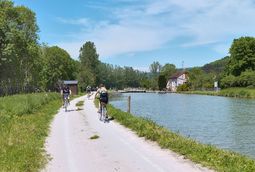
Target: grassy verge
[
  {"x": 207, "y": 155},
  {"x": 229, "y": 92},
  {"x": 24, "y": 126}
]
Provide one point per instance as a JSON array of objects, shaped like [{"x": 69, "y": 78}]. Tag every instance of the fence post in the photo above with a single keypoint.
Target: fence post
[{"x": 129, "y": 102}]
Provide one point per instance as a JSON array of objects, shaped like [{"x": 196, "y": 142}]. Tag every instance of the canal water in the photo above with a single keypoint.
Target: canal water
[{"x": 227, "y": 123}]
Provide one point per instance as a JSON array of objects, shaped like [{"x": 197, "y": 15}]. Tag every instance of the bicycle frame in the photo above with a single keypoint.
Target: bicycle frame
[
  {"x": 65, "y": 103},
  {"x": 103, "y": 111}
]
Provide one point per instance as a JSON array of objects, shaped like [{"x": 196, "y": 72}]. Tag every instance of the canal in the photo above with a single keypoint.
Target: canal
[{"x": 227, "y": 123}]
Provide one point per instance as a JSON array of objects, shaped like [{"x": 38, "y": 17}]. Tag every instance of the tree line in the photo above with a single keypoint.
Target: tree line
[
  {"x": 235, "y": 70},
  {"x": 26, "y": 65}
]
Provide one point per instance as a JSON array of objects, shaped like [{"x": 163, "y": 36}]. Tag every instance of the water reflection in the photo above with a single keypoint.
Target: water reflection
[{"x": 225, "y": 122}]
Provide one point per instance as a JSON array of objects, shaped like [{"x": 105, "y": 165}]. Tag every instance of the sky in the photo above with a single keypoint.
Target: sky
[{"x": 137, "y": 32}]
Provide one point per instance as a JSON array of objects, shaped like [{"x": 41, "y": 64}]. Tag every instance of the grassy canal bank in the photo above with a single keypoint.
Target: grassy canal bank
[
  {"x": 229, "y": 92},
  {"x": 24, "y": 125},
  {"x": 207, "y": 155}
]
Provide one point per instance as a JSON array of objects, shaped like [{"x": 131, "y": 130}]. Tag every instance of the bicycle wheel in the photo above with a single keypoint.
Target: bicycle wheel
[
  {"x": 65, "y": 105},
  {"x": 104, "y": 112},
  {"x": 100, "y": 115}
]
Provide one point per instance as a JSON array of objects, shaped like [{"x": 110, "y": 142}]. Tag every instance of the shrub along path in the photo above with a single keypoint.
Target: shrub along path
[{"x": 80, "y": 142}]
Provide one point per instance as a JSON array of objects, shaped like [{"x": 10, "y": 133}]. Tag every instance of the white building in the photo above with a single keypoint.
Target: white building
[{"x": 176, "y": 80}]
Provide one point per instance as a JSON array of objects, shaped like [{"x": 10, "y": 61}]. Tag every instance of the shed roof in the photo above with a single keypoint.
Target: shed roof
[{"x": 71, "y": 82}]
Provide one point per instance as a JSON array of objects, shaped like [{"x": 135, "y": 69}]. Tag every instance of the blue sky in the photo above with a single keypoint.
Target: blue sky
[{"x": 137, "y": 32}]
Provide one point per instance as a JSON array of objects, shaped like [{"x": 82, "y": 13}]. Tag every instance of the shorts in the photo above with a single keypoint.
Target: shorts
[{"x": 104, "y": 99}]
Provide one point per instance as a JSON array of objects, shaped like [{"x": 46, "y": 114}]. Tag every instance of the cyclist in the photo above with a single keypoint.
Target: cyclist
[
  {"x": 65, "y": 92},
  {"x": 103, "y": 96},
  {"x": 88, "y": 89}
]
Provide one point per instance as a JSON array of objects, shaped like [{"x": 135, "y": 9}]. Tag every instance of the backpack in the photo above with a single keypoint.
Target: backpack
[{"x": 104, "y": 97}]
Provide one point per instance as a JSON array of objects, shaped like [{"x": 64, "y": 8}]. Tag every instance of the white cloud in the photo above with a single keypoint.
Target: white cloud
[
  {"x": 78, "y": 21},
  {"x": 148, "y": 26}
]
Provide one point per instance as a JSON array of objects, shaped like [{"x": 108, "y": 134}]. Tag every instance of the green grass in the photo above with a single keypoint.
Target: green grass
[
  {"x": 206, "y": 155},
  {"x": 238, "y": 92},
  {"x": 80, "y": 103},
  {"x": 24, "y": 126},
  {"x": 229, "y": 92},
  {"x": 94, "y": 137}
]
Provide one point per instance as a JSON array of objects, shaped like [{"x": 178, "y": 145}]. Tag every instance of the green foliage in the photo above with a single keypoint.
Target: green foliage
[
  {"x": 246, "y": 79},
  {"x": 80, "y": 103},
  {"x": 168, "y": 70},
  {"x": 206, "y": 155},
  {"x": 242, "y": 56},
  {"x": 228, "y": 92},
  {"x": 239, "y": 71},
  {"x": 155, "y": 68},
  {"x": 112, "y": 76},
  {"x": 57, "y": 66},
  {"x": 162, "y": 82},
  {"x": 199, "y": 80},
  {"x": 183, "y": 87},
  {"x": 94, "y": 137},
  {"x": 238, "y": 92},
  {"x": 24, "y": 126},
  {"x": 19, "y": 50},
  {"x": 89, "y": 72},
  {"x": 217, "y": 67}
]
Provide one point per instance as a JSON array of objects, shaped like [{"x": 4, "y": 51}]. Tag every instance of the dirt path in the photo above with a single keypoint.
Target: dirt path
[{"x": 116, "y": 149}]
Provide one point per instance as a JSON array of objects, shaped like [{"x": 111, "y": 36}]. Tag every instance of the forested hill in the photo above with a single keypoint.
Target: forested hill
[{"x": 217, "y": 66}]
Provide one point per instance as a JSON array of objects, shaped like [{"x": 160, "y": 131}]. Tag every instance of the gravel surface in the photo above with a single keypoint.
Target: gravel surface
[{"x": 71, "y": 148}]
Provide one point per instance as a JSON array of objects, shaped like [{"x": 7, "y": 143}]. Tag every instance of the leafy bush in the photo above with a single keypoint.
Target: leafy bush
[
  {"x": 246, "y": 79},
  {"x": 183, "y": 87},
  {"x": 229, "y": 81}
]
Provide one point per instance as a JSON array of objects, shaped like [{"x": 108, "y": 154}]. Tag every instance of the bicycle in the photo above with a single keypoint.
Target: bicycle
[
  {"x": 103, "y": 112},
  {"x": 66, "y": 103}
]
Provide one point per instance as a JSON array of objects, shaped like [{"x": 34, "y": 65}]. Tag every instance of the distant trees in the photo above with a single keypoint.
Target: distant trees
[
  {"x": 199, "y": 80},
  {"x": 25, "y": 64},
  {"x": 155, "y": 68}
]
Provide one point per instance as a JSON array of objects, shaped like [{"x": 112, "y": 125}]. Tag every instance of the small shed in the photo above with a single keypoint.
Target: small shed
[{"x": 73, "y": 85}]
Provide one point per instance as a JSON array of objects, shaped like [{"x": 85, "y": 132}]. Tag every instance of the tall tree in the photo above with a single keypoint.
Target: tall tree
[
  {"x": 57, "y": 66},
  {"x": 168, "y": 70},
  {"x": 242, "y": 56},
  {"x": 155, "y": 68},
  {"x": 162, "y": 82},
  {"x": 89, "y": 65},
  {"x": 19, "y": 49}
]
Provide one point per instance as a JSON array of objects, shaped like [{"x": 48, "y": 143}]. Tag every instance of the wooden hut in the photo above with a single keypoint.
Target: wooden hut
[{"x": 73, "y": 85}]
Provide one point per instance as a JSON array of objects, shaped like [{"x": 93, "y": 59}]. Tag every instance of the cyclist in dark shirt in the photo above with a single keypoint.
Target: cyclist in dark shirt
[{"x": 65, "y": 92}]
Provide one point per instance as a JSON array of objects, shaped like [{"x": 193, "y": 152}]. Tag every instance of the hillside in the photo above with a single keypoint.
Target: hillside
[{"x": 216, "y": 66}]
